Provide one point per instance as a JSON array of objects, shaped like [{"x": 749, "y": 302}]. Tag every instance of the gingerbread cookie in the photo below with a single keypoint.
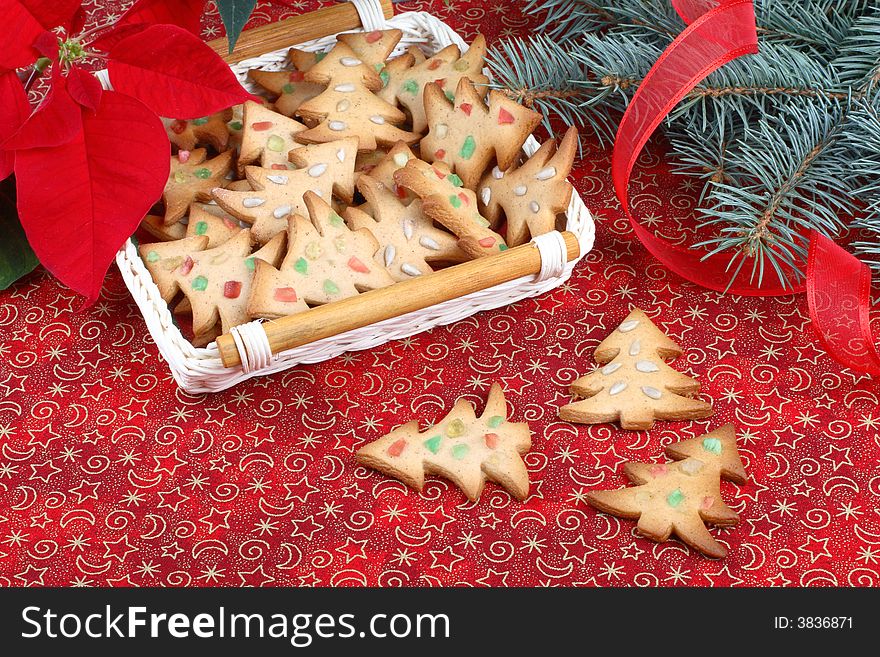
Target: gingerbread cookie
[
  {"x": 408, "y": 238},
  {"x": 679, "y": 498},
  {"x": 324, "y": 169},
  {"x": 290, "y": 88},
  {"x": 445, "y": 68},
  {"x": 192, "y": 178},
  {"x": 464, "y": 448},
  {"x": 155, "y": 226},
  {"x": 211, "y": 130},
  {"x": 348, "y": 107},
  {"x": 384, "y": 170},
  {"x": 466, "y": 134},
  {"x": 446, "y": 201},
  {"x": 635, "y": 386},
  {"x": 267, "y": 137},
  {"x": 212, "y": 222},
  {"x": 325, "y": 262},
  {"x": 217, "y": 282},
  {"x": 531, "y": 195}
]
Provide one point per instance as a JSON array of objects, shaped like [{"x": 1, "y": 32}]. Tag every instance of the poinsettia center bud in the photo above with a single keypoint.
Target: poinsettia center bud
[{"x": 70, "y": 50}]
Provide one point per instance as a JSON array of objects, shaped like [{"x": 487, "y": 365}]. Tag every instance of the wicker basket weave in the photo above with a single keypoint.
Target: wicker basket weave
[{"x": 199, "y": 370}]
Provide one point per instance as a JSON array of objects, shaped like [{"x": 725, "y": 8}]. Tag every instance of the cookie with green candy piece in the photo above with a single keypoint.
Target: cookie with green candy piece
[
  {"x": 463, "y": 448},
  {"x": 325, "y": 261},
  {"x": 409, "y": 240},
  {"x": 290, "y": 88},
  {"x": 191, "y": 179},
  {"x": 447, "y": 202},
  {"x": 207, "y": 130},
  {"x": 532, "y": 194},
  {"x": 155, "y": 226},
  {"x": 445, "y": 68},
  {"x": 324, "y": 169},
  {"x": 348, "y": 107},
  {"x": 467, "y": 135},
  {"x": 212, "y": 222},
  {"x": 633, "y": 385},
  {"x": 681, "y": 497},
  {"x": 217, "y": 282},
  {"x": 267, "y": 137},
  {"x": 384, "y": 170}
]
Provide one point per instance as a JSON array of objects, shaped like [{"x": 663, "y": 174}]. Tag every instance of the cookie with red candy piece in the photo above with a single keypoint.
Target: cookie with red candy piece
[
  {"x": 447, "y": 202},
  {"x": 409, "y": 241},
  {"x": 208, "y": 130},
  {"x": 445, "y": 68},
  {"x": 324, "y": 169},
  {"x": 290, "y": 88},
  {"x": 325, "y": 261},
  {"x": 216, "y": 282},
  {"x": 531, "y": 195},
  {"x": 467, "y": 135},
  {"x": 192, "y": 178},
  {"x": 212, "y": 222},
  {"x": 463, "y": 448},
  {"x": 267, "y": 137}
]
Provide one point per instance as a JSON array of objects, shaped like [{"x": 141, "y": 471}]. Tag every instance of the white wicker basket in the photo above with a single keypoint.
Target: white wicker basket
[{"x": 199, "y": 370}]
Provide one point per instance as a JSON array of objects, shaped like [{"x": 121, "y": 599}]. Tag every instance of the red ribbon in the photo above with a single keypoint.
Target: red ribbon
[{"x": 837, "y": 284}]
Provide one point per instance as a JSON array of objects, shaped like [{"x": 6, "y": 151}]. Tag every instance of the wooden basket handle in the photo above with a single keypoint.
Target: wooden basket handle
[
  {"x": 398, "y": 299},
  {"x": 298, "y": 29}
]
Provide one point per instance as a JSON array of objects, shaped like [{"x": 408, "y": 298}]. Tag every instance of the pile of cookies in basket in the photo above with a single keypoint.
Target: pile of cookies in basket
[{"x": 360, "y": 172}]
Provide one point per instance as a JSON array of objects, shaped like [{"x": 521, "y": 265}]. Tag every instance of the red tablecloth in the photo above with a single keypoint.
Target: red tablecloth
[{"x": 110, "y": 475}]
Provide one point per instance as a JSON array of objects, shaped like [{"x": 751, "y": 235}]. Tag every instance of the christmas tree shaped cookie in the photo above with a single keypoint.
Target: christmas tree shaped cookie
[
  {"x": 384, "y": 169},
  {"x": 155, "y": 226},
  {"x": 192, "y": 178},
  {"x": 634, "y": 384},
  {"x": 409, "y": 239},
  {"x": 212, "y": 222},
  {"x": 267, "y": 137},
  {"x": 290, "y": 87},
  {"x": 216, "y": 282},
  {"x": 447, "y": 202},
  {"x": 464, "y": 448},
  {"x": 348, "y": 107},
  {"x": 678, "y": 498},
  {"x": 445, "y": 68},
  {"x": 325, "y": 262},
  {"x": 466, "y": 135},
  {"x": 211, "y": 130},
  {"x": 324, "y": 169},
  {"x": 532, "y": 194}
]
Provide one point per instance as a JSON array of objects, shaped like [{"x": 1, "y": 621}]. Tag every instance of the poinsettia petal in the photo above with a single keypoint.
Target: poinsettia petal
[
  {"x": 23, "y": 22},
  {"x": 14, "y": 110},
  {"x": 80, "y": 201},
  {"x": 47, "y": 45},
  {"x": 52, "y": 13},
  {"x": 183, "y": 13},
  {"x": 84, "y": 87},
  {"x": 174, "y": 73},
  {"x": 57, "y": 121}
]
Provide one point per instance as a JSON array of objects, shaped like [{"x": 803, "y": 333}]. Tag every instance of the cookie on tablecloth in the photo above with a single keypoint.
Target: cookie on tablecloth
[
  {"x": 679, "y": 498},
  {"x": 532, "y": 194},
  {"x": 267, "y": 137},
  {"x": 325, "y": 261},
  {"x": 408, "y": 239},
  {"x": 191, "y": 179},
  {"x": 634, "y": 385},
  {"x": 324, "y": 169},
  {"x": 467, "y": 135},
  {"x": 216, "y": 282},
  {"x": 447, "y": 202},
  {"x": 466, "y": 449}
]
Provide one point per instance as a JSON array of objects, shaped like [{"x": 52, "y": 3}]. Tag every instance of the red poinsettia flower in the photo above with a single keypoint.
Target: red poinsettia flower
[{"x": 90, "y": 162}]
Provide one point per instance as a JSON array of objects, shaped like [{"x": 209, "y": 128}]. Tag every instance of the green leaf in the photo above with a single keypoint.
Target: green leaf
[
  {"x": 16, "y": 256},
  {"x": 235, "y": 14}
]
